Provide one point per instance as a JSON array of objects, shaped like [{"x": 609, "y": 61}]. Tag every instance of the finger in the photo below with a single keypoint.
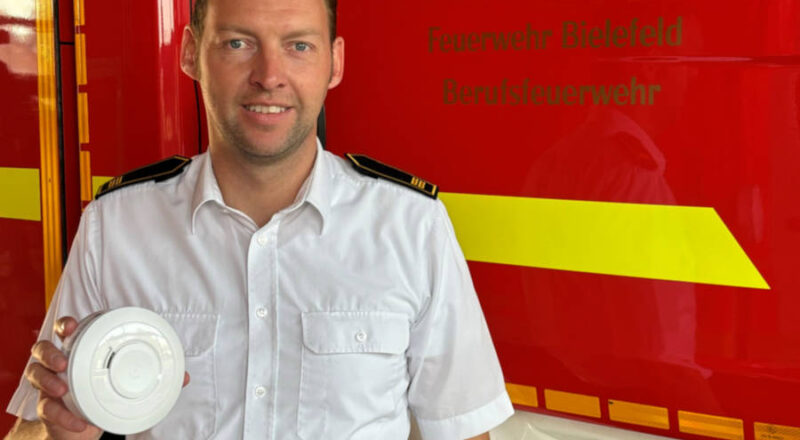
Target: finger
[
  {"x": 50, "y": 356},
  {"x": 65, "y": 326},
  {"x": 186, "y": 379},
  {"x": 43, "y": 379},
  {"x": 53, "y": 412}
]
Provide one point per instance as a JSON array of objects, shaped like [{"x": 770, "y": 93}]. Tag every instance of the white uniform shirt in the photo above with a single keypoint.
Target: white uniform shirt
[{"x": 346, "y": 309}]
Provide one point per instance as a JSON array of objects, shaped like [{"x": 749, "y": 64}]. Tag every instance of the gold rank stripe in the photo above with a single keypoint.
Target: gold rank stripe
[
  {"x": 675, "y": 243},
  {"x": 97, "y": 182},
  {"x": 48, "y": 145},
  {"x": 19, "y": 194}
]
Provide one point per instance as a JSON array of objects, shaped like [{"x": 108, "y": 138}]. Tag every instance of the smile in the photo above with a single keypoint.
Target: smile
[{"x": 266, "y": 109}]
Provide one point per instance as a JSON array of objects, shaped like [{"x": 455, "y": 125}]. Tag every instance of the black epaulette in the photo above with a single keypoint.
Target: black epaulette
[
  {"x": 373, "y": 168},
  {"x": 158, "y": 172}
]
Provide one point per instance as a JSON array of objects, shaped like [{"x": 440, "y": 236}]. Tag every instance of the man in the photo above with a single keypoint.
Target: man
[{"x": 313, "y": 302}]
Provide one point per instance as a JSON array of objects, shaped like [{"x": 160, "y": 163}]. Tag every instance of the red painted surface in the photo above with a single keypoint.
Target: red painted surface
[
  {"x": 21, "y": 260},
  {"x": 66, "y": 21},
  {"x": 19, "y": 127},
  {"x": 724, "y": 132},
  {"x": 135, "y": 87}
]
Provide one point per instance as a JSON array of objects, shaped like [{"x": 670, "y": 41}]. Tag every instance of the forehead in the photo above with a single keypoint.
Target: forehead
[{"x": 266, "y": 14}]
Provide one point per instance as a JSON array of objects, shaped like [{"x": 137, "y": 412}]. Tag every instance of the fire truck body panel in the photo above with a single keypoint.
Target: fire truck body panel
[{"x": 621, "y": 176}]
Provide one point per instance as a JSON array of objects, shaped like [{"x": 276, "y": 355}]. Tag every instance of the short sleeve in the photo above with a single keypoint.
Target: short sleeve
[
  {"x": 76, "y": 295},
  {"x": 457, "y": 389}
]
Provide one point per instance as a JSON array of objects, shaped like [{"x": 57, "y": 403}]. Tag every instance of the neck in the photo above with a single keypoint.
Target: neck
[{"x": 261, "y": 189}]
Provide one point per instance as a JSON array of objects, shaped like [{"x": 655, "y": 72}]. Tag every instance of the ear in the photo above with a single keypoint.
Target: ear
[
  {"x": 189, "y": 51},
  {"x": 337, "y": 69}
]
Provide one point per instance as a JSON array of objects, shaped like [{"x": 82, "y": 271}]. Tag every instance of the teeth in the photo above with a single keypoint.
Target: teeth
[{"x": 269, "y": 109}]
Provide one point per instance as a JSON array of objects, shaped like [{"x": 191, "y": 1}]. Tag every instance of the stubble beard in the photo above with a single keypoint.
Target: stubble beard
[{"x": 235, "y": 137}]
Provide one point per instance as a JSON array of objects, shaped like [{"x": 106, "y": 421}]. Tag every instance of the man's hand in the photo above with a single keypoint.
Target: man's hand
[
  {"x": 54, "y": 417},
  {"x": 56, "y": 420}
]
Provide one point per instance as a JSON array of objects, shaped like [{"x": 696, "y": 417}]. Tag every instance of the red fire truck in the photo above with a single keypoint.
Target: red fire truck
[{"x": 623, "y": 177}]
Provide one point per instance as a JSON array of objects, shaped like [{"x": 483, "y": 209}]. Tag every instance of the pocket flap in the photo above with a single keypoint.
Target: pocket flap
[
  {"x": 197, "y": 331},
  {"x": 355, "y": 332}
]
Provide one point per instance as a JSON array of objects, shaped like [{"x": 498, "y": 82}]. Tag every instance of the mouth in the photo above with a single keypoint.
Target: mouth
[{"x": 266, "y": 109}]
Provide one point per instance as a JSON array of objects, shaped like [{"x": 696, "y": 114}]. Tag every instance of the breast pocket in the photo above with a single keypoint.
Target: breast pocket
[
  {"x": 353, "y": 371},
  {"x": 194, "y": 415}
]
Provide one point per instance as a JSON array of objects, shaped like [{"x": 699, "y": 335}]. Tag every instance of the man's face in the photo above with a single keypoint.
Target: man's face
[{"x": 265, "y": 67}]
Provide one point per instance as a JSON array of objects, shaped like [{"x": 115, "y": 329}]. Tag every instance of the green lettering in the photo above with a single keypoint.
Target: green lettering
[
  {"x": 517, "y": 39},
  {"x": 601, "y": 94},
  {"x": 620, "y": 33},
  {"x": 450, "y": 96},
  {"x": 465, "y": 95},
  {"x": 620, "y": 94},
  {"x": 646, "y": 35},
  {"x": 474, "y": 41},
  {"x": 636, "y": 88},
  {"x": 675, "y": 33},
  {"x": 569, "y": 36},
  {"x": 569, "y": 95},
  {"x": 653, "y": 90},
  {"x": 431, "y": 38}
]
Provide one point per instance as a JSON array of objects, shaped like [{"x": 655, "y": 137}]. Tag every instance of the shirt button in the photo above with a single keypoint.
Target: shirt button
[
  {"x": 263, "y": 239},
  {"x": 260, "y": 391},
  {"x": 361, "y": 336},
  {"x": 261, "y": 312}
]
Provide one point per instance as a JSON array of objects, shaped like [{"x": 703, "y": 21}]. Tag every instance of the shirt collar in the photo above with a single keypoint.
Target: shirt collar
[
  {"x": 315, "y": 189},
  {"x": 318, "y": 186}
]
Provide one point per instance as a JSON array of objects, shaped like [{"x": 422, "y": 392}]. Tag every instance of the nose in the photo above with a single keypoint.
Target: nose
[{"x": 268, "y": 70}]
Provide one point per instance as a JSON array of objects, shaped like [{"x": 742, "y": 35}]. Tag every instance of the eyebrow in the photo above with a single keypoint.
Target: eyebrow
[
  {"x": 234, "y": 28},
  {"x": 291, "y": 35},
  {"x": 302, "y": 33}
]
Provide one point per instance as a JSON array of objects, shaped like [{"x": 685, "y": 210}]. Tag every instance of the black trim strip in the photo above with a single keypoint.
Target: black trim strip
[{"x": 60, "y": 106}]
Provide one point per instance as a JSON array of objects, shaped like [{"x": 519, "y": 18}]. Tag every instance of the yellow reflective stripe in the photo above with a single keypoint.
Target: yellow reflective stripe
[
  {"x": 522, "y": 395},
  {"x": 78, "y": 10},
  {"x": 638, "y": 414},
  {"x": 766, "y": 431},
  {"x": 710, "y": 426},
  {"x": 571, "y": 403},
  {"x": 19, "y": 194},
  {"x": 80, "y": 59},
  {"x": 86, "y": 176},
  {"x": 83, "y": 118},
  {"x": 97, "y": 182},
  {"x": 677, "y": 243},
  {"x": 48, "y": 145}
]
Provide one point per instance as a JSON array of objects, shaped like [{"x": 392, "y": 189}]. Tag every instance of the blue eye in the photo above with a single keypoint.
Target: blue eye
[
  {"x": 236, "y": 44},
  {"x": 301, "y": 47}
]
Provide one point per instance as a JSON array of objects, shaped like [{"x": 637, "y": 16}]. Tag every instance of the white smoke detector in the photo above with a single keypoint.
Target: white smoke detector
[{"x": 125, "y": 370}]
